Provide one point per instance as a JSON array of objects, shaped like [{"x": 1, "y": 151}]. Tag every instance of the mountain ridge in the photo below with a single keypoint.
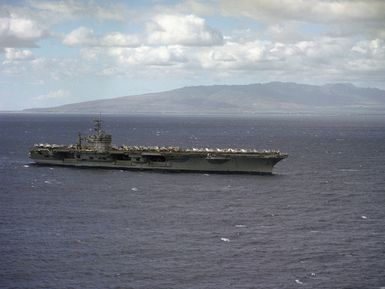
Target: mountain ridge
[{"x": 280, "y": 97}]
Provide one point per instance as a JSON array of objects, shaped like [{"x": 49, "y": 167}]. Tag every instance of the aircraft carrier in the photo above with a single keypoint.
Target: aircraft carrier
[{"x": 96, "y": 150}]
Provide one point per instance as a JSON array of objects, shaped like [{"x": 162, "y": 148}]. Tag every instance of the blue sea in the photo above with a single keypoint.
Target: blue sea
[{"x": 317, "y": 222}]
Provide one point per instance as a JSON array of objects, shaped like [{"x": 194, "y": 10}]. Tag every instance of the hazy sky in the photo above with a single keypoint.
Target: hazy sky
[{"x": 57, "y": 52}]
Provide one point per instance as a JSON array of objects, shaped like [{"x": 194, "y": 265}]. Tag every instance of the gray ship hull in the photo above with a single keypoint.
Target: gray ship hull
[
  {"x": 99, "y": 152},
  {"x": 257, "y": 163}
]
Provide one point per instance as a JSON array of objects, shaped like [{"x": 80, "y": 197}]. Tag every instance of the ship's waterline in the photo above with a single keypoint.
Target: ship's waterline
[{"x": 96, "y": 151}]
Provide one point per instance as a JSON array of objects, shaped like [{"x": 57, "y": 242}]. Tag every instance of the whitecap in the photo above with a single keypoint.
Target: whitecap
[
  {"x": 207, "y": 175},
  {"x": 26, "y": 166},
  {"x": 225, "y": 239},
  {"x": 240, "y": 226},
  {"x": 47, "y": 182},
  {"x": 364, "y": 217},
  {"x": 134, "y": 189},
  {"x": 298, "y": 281}
]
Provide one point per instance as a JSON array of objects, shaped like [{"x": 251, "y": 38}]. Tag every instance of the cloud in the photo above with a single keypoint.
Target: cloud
[
  {"x": 16, "y": 31},
  {"x": 369, "y": 57},
  {"x": 276, "y": 56},
  {"x": 150, "y": 56},
  {"x": 197, "y": 7},
  {"x": 185, "y": 30},
  {"x": 306, "y": 10},
  {"x": 294, "y": 40},
  {"x": 370, "y": 48},
  {"x": 83, "y": 36},
  {"x": 72, "y": 9},
  {"x": 119, "y": 39},
  {"x": 321, "y": 59},
  {"x": 36, "y": 69},
  {"x": 188, "y": 30},
  {"x": 55, "y": 94},
  {"x": 342, "y": 17},
  {"x": 14, "y": 55}
]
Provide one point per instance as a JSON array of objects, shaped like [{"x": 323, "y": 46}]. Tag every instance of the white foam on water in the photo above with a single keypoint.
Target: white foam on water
[
  {"x": 47, "y": 182},
  {"x": 298, "y": 281},
  {"x": 134, "y": 189},
  {"x": 364, "y": 217},
  {"x": 225, "y": 239},
  {"x": 26, "y": 166},
  {"x": 240, "y": 226},
  {"x": 207, "y": 175}
]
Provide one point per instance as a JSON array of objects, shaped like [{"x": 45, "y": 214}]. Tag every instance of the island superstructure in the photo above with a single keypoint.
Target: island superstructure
[{"x": 96, "y": 150}]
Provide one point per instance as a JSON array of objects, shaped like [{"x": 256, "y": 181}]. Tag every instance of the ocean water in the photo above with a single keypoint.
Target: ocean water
[{"x": 318, "y": 222}]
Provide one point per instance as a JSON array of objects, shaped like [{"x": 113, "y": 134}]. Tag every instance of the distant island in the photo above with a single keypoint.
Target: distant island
[{"x": 273, "y": 97}]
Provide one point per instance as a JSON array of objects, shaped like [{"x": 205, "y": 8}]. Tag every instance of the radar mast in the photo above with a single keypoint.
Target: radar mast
[{"x": 100, "y": 141}]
